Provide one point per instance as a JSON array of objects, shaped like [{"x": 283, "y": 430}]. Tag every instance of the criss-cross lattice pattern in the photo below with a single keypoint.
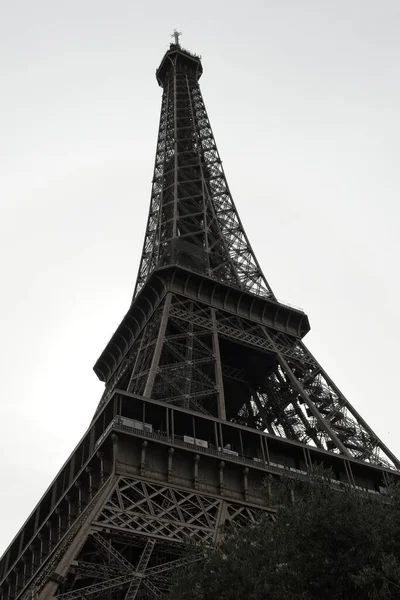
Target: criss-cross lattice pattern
[
  {"x": 149, "y": 509},
  {"x": 193, "y": 220},
  {"x": 270, "y": 380},
  {"x": 139, "y": 536},
  {"x": 210, "y": 360}
]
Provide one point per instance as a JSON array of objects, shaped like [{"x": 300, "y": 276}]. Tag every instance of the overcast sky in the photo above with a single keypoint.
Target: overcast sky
[{"x": 303, "y": 97}]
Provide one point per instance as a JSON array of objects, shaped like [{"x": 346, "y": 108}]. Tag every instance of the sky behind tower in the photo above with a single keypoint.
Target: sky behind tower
[{"x": 303, "y": 99}]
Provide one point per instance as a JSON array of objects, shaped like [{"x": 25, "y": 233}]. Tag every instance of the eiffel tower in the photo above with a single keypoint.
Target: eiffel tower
[{"x": 209, "y": 388}]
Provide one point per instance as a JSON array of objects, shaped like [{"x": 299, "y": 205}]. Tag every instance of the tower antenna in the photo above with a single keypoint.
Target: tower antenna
[{"x": 176, "y": 35}]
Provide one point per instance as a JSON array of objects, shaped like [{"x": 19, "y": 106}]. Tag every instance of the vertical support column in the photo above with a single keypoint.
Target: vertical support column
[
  {"x": 49, "y": 526},
  {"x": 189, "y": 362},
  {"x": 204, "y": 190},
  {"x": 246, "y": 483},
  {"x": 222, "y": 514},
  {"x": 33, "y": 560},
  {"x": 221, "y": 437},
  {"x": 262, "y": 449},
  {"x": 349, "y": 473},
  {"x": 158, "y": 348},
  {"x": 11, "y": 585},
  {"x": 24, "y": 572},
  {"x": 196, "y": 461},
  {"x": 266, "y": 449},
  {"x": 59, "y": 523},
  {"x": 41, "y": 546},
  {"x": 69, "y": 510},
  {"x": 89, "y": 471},
  {"x": 132, "y": 380},
  {"x": 175, "y": 222},
  {"x": 307, "y": 459},
  {"x": 17, "y": 582},
  {"x": 241, "y": 443},
  {"x": 167, "y": 421},
  {"x": 221, "y": 467},
  {"x": 114, "y": 439},
  {"x": 143, "y": 458},
  {"x": 170, "y": 456},
  {"x": 216, "y": 435},
  {"x": 92, "y": 439},
  {"x": 78, "y": 485},
  {"x": 385, "y": 479},
  {"x": 100, "y": 456},
  {"x": 218, "y": 368}
]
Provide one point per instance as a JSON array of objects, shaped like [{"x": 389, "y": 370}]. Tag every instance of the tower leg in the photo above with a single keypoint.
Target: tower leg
[{"x": 159, "y": 344}]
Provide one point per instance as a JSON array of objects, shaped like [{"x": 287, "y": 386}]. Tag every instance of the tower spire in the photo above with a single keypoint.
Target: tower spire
[
  {"x": 176, "y": 35},
  {"x": 193, "y": 220}
]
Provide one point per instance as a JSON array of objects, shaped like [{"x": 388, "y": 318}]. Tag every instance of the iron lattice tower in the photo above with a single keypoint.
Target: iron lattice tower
[{"x": 208, "y": 388}]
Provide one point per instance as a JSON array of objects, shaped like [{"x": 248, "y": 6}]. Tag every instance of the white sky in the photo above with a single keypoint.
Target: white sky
[{"x": 303, "y": 97}]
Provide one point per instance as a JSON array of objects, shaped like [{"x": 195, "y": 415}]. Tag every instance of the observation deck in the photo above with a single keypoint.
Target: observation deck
[{"x": 177, "y": 55}]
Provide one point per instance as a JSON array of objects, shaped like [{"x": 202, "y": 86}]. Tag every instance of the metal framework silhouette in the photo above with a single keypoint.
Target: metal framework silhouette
[{"x": 208, "y": 389}]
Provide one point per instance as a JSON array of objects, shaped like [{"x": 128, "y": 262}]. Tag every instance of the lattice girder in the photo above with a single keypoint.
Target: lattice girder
[
  {"x": 192, "y": 218},
  {"x": 137, "y": 539},
  {"x": 276, "y": 385}
]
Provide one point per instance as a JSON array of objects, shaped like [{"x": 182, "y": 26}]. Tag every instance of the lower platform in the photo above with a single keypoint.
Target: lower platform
[{"x": 146, "y": 477}]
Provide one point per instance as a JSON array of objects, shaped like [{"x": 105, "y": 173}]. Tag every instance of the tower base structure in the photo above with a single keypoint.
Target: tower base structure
[{"x": 146, "y": 478}]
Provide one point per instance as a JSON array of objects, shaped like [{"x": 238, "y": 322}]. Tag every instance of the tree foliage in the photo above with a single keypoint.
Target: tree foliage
[{"x": 322, "y": 544}]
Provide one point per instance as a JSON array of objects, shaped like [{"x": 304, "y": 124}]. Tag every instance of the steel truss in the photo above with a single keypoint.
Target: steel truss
[
  {"x": 192, "y": 218},
  {"x": 136, "y": 540},
  {"x": 177, "y": 357},
  {"x": 184, "y": 359}
]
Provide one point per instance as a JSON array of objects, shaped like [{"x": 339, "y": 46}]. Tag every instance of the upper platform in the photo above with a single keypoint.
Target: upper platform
[
  {"x": 198, "y": 287},
  {"x": 177, "y": 56}
]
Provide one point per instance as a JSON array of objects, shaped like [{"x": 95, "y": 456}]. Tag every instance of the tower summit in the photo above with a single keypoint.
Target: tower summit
[
  {"x": 176, "y": 35},
  {"x": 208, "y": 388}
]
